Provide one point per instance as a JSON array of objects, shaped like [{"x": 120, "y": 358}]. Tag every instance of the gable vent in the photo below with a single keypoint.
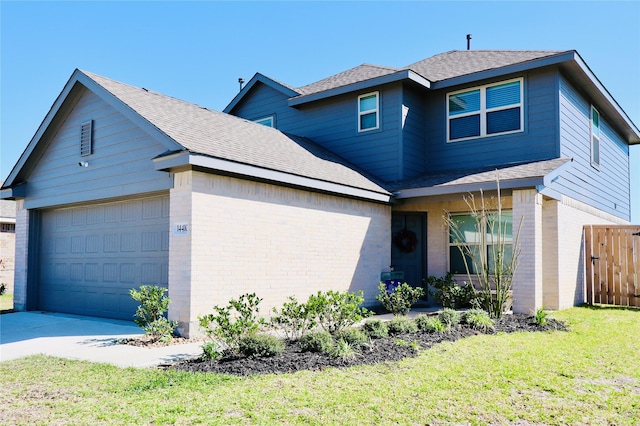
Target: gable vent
[{"x": 86, "y": 138}]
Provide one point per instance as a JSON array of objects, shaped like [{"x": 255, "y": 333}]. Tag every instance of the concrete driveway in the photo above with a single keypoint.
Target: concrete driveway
[{"x": 83, "y": 338}]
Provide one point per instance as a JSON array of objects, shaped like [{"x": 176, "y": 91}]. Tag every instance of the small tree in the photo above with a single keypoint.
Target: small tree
[
  {"x": 150, "y": 314},
  {"x": 491, "y": 265}
]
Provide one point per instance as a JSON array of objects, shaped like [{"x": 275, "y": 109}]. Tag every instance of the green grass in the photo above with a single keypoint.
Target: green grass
[
  {"x": 586, "y": 376},
  {"x": 6, "y": 302}
]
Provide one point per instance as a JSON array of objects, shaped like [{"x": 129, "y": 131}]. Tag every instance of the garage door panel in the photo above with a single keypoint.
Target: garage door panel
[{"x": 91, "y": 256}]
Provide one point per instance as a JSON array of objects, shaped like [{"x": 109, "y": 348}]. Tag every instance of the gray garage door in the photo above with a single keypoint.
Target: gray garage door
[{"x": 91, "y": 256}]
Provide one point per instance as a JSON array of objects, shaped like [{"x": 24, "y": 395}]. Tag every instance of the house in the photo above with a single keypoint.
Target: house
[
  {"x": 7, "y": 243},
  {"x": 294, "y": 190}
]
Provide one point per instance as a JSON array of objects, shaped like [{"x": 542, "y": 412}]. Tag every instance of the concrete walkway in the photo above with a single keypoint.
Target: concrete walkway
[{"x": 83, "y": 338}]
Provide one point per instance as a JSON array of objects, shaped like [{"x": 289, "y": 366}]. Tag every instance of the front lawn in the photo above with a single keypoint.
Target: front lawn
[{"x": 585, "y": 376}]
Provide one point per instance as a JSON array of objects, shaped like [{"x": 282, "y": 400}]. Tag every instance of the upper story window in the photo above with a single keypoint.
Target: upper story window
[
  {"x": 86, "y": 138},
  {"x": 266, "y": 121},
  {"x": 368, "y": 112},
  {"x": 488, "y": 110},
  {"x": 595, "y": 137}
]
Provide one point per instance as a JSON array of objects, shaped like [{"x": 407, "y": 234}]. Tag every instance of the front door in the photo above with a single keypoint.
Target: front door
[{"x": 408, "y": 246}]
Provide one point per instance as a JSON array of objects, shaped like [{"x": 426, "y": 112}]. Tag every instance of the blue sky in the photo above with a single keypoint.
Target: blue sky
[{"x": 196, "y": 51}]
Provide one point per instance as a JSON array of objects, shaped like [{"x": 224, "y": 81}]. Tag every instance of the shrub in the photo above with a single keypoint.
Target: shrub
[
  {"x": 337, "y": 310},
  {"x": 540, "y": 316},
  {"x": 260, "y": 345},
  {"x": 402, "y": 325},
  {"x": 343, "y": 349},
  {"x": 375, "y": 329},
  {"x": 478, "y": 319},
  {"x": 430, "y": 324},
  {"x": 230, "y": 323},
  {"x": 399, "y": 300},
  {"x": 294, "y": 318},
  {"x": 3, "y": 288},
  {"x": 316, "y": 341},
  {"x": 150, "y": 313},
  {"x": 448, "y": 292},
  {"x": 211, "y": 351},
  {"x": 449, "y": 317},
  {"x": 354, "y": 336}
]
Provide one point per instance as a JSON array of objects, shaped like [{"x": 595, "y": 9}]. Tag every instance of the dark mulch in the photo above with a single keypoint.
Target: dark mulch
[{"x": 382, "y": 350}]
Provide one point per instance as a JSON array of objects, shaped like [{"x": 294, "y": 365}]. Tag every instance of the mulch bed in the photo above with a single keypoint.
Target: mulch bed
[{"x": 383, "y": 350}]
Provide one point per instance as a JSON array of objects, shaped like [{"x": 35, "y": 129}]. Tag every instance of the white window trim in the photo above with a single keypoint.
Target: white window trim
[
  {"x": 592, "y": 148},
  {"x": 477, "y": 243},
  {"x": 483, "y": 110},
  {"x": 376, "y": 110},
  {"x": 265, "y": 119}
]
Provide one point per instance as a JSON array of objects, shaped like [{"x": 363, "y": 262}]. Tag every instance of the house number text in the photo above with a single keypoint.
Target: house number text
[{"x": 180, "y": 229}]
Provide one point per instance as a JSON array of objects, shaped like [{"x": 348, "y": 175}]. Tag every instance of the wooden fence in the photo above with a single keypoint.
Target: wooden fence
[{"x": 612, "y": 260}]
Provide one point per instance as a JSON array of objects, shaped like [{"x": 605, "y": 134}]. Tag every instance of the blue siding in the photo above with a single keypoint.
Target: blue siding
[
  {"x": 539, "y": 141},
  {"x": 606, "y": 187},
  {"x": 413, "y": 134},
  {"x": 119, "y": 166},
  {"x": 333, "y": 124}
]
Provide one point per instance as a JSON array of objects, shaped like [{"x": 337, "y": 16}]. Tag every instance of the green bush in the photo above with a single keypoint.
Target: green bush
[
  {"x": 399, "y": 300},
  {"x": 316, "y": 341},
  {"x": 260, "y": 345},
  {"x": 478, "y": 319},
  {"x": 343, "y": 349},
  {"x": 540, "y": 316},
  {"x": 336, "y": 310},
  {"x": 449, "y": 317},
  {"x": 294, "y": 318},
  {"x": 234, "y": 321},
  {"x": 150, "y": 313},
  {"x": 430, "y": 324},
  {"x": 354, "y": 336},
  {"x": 448, "y": 292},
  {"x": 375, "y": 329},
  {"x": 211, "y": 351},
  {"x": 401, "y": 325}
]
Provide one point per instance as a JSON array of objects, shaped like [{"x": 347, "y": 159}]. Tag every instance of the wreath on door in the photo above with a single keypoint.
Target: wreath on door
[{"x": 405, "y": 241}]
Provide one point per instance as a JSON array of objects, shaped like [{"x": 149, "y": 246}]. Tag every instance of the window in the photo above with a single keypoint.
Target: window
[
  {"x": 493, "y": 109},
  {"x": 482, "y": 238},
  {"x": 595, "y": 137},
  {"x": 8, "y": 227},
  {"x": 266, "y": 121},
  {"x": 368, "y": 109},
  {"x": 86, "y": 138}
]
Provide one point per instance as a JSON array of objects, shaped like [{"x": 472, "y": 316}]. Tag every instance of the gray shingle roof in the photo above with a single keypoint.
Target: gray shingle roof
[
  {"x": 436, "y": 68},
  {"x": 216, "y": 134},
  {"x": 462, "y": 62},
  {"x": 354, "y": 75},
  {"x": 481, "y": 175}
]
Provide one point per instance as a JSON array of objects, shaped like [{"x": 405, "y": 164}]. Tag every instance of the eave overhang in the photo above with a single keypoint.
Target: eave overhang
[
  {"x": 361, "y": 85},
  {"x": 246, "y": 171}
]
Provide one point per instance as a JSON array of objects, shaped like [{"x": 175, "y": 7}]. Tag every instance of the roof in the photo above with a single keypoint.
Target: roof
[
  {"x": 463, "y": 62},
  {"x": 199, "y": 131},
  {"x": 523, "y": 175}
]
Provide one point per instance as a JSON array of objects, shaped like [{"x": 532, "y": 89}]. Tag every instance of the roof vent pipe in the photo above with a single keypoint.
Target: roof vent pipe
[
  {"x": 241, "y": 82},
  {"x": 468, "y": 41}
]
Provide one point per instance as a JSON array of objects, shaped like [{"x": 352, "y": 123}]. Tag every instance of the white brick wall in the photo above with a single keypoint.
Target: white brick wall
[
  {"x": 21, "y": 255},
  {"x": 563, "y": 241},
  {"x": 527, "y": 281},
  {"x": 275, "y": 241}
]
